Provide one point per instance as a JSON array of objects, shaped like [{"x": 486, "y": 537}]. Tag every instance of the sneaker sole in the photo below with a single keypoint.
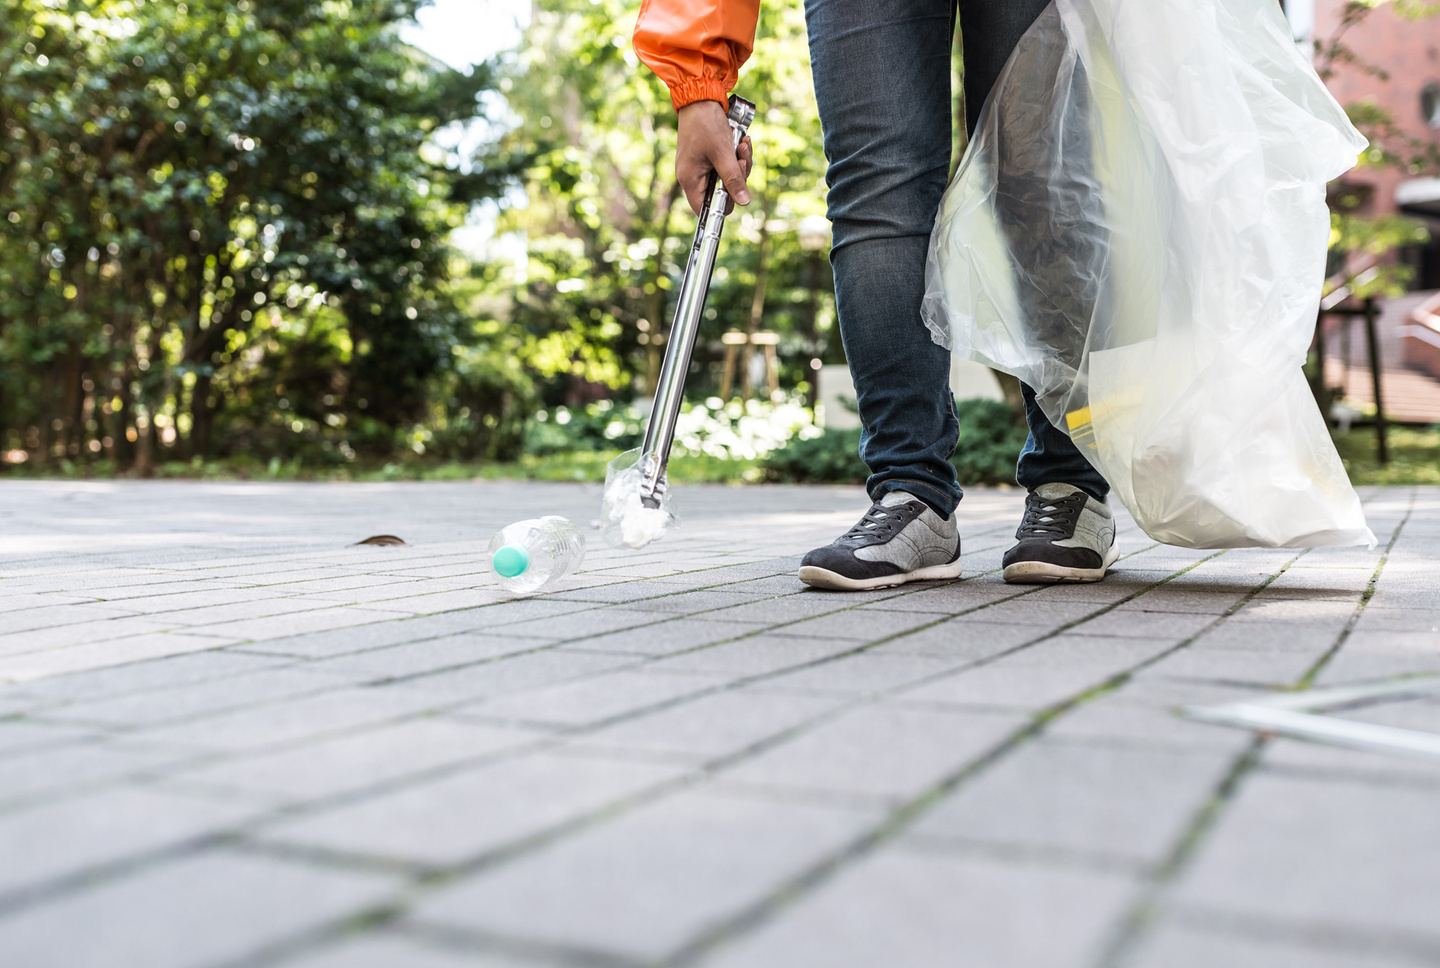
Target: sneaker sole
[
  {"x": 1044, "y": 573},
  {"x": 833, "y": 580}
]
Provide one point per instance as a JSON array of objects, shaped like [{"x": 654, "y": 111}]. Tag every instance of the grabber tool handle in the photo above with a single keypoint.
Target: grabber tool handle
[{"x": 694, "y": 287}]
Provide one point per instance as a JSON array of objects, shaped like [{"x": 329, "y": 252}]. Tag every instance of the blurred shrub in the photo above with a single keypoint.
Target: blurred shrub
[
  {"x": 487, "y": 400},
  {"x": 831, "y": 458},
  {"x": 601, "y": 426},
  {"x": 724, "y": 431},
  {"x": 989, "y": 444}
]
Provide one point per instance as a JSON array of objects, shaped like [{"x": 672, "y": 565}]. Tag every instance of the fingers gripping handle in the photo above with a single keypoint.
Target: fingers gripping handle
[
  {"x": 670, "y": 389},
  {"x": 717, "y": 198}
]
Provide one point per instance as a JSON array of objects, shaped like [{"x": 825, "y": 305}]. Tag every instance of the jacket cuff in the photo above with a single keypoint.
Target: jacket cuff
[{"x": 694, "y": 89}]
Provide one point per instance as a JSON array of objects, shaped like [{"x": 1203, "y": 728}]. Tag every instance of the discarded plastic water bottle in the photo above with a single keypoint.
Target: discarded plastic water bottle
[{"x": 532, "y": 555}]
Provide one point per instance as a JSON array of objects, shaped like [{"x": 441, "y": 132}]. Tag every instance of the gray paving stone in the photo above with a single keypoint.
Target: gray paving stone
[
  {"x": 39, "y": 844},
  {"x": 20, "y": 646},
  {"x": 51, "y": 772},
  {"x": 433, "y": 601},
  {"x": 790, "y": 608},
  {"x": 205, "y": 910},
  {"x": 711, "y": 726},
  {"x": 1133, "y": 621},
  {"x": 1032, "y": 610},
  {"x": 360, "y": 760},
  {"x": 162, "y": 673},
  {"x": 961, "y": 639},
  {"x": 395, "y": 951},
  {"x": 276, "y": 724},
  {"x": 1372, "y": 654},
  {"x": 862, "y": 674},
  {"x": 25, "y": 735},
  {"x": 1018, "y": 682},
  {"x": 1323, "y": 761},
  {"x": 408, "y": 772},
  {"x": 665, "y": 638},
  {"x": 1177, "y": 597},
  {"x": 885, "y": 751},
  {"x": 693, "y": 602},
  {"x": 688, "y": 861},
  {"x": 51, "y": 616},
  {"x": 591, "y": 700},
  {"x": 1302, "y": 637},
  {"x": 1274, "y": 610},
  {"x": 862, "y": 626},
  {"x": 184, "y": 597},
  {"x": 1262, "y": 666},
  {"x": 393, "y": 631},
  {"x": 1089, "y": 801},
  {"x": 1118, "y": 719},
  {"x": 14, "y": 602},
  {"x": 503, "y": 802},
  {"x": 316, "y": 620},
  {"x": 754, "y": 655},
  {"x": 510, "y": 674},
  {"x": 235, "y": 611},
  {"x": 1311, "y": 850},
  {"x": 1181, "y": 946},
  {"x": 1115, "y": 588},
  {"x": 907, "y": 910},
  {"x": 581, "y": 624},
  {"x": 186, "y": 701},
  {"x": 947, "y": 599},
  {"x": 1384, "y": 619},
  {"x": 430, "y": 655},
  {"x": 102, "y": 652}
]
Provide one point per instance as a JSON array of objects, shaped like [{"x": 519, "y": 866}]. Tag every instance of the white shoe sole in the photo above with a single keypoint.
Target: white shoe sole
[
  {"x": 1044, "y": 573},
  {"x": 825, "y": 578}
]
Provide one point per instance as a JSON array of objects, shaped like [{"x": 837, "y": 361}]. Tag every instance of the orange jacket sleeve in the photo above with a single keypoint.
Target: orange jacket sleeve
[{"x": 696, "y": 46}]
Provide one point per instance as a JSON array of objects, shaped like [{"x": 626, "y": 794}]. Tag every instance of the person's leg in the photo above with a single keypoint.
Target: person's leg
[
  {"x": 1067, "y": 533},
  {"x": 882, "y": 81},
  {"x": 1050, "y": 457},
  {"x": 991, "y": 29}
]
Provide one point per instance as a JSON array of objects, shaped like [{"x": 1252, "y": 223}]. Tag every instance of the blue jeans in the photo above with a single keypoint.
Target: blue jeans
[{"x": 882, "y": 80}]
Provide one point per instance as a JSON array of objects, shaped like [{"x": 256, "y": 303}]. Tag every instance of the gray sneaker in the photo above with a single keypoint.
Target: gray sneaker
[
  {"x": 899, "y": 539},
  {"x": 1066, "y": 536}
]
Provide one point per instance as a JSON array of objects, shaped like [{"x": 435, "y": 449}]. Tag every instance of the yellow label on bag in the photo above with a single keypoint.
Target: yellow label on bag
[{"x": 1081, "y": 431}]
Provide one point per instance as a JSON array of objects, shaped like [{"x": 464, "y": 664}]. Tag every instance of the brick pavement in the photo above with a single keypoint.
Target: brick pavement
[{"x": 229, "y": 738}]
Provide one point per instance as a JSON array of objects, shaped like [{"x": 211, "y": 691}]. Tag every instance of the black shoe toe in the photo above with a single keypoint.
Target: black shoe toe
[
  {"x": 842, "y": 561},
  {"x": 1041, "y": 549}
]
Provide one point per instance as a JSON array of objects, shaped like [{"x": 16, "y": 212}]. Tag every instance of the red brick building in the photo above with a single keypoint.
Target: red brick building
[
  {"x": 1408, "y": 52},
  {"x": 1405, "y": 83}
]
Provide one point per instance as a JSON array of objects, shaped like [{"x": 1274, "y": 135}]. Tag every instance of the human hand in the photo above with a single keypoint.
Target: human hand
[{"x": 707, "y": 142}]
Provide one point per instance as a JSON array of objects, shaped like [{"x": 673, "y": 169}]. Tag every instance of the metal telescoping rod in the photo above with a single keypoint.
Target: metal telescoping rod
[{"x": 694, "y": 287}]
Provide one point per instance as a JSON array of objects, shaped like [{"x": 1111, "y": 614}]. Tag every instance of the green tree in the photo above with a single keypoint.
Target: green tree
[
  {"x": 606, "y": 227},
  {"x": 224, "y": 226}
]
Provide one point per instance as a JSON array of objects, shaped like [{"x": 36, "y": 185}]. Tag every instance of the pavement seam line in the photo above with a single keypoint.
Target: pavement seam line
[
  {"x": 1136, "y": 924},
  {"x": 901, "y": 818}
]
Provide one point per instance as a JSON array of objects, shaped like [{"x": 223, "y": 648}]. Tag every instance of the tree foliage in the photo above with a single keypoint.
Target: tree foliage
[
  {"x": 224, "y": 226},
  {"x": 606, "y": 228}
]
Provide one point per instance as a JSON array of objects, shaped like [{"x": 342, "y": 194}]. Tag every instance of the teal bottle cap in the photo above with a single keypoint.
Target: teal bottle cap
[{"x": 510, "y": 560}]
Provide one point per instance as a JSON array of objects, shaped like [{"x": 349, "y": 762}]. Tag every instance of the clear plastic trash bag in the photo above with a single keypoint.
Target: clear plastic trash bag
[{"x": 1138, "y": 231}]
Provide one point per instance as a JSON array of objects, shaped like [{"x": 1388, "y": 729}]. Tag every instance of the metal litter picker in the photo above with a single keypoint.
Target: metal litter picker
[{"x": 636, "y": 508}]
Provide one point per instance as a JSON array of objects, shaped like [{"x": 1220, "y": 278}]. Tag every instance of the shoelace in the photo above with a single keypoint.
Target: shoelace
[
  {"x": 1047, "y": 517},
  {"x": 877, "y": 521}
]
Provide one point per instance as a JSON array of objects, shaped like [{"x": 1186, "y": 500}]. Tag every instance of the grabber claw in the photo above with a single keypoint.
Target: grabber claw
[{"x": 635, "y": 510}]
